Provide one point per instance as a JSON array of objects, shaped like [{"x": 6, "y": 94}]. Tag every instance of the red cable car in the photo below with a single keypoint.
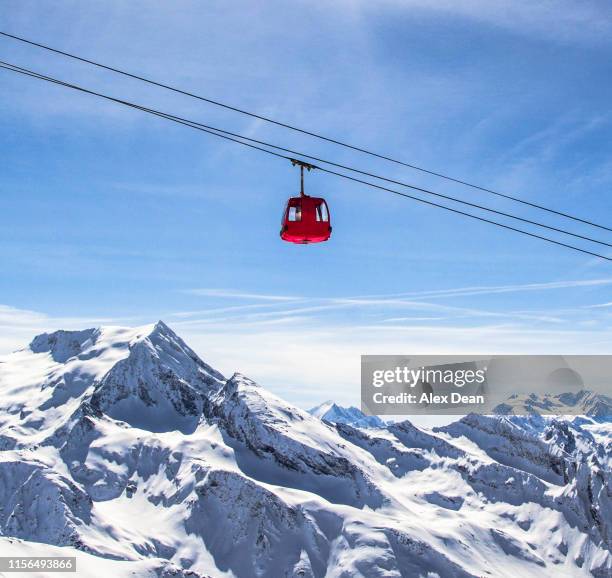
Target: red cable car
[{"x": 305, "y": 219}]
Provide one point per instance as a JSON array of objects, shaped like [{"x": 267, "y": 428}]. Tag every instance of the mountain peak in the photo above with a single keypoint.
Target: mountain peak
[
  {"x": 62, "y": 345},
  {"x": 145, "y": 376},
  {"x": 157, "y": 333},
  {"x": 334, "y": 413},
  {"x": 152, "y": 330},
  {"x": 322, "y": 408},
  {"x": 161, "y": 328}
]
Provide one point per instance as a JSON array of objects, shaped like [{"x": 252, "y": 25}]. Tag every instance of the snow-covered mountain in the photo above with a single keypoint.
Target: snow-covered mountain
[
  {"x": 589, "y": 403},
  {"x": 334, "y": 413},
  {"x": 122, "y": 448}
]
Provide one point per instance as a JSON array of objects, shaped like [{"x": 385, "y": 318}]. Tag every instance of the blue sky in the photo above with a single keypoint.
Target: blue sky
[{"x": 108, "y": 215}]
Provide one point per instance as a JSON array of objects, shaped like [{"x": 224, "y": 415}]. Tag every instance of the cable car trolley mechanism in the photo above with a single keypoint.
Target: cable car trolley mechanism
[{"x": 305, "y": 219}]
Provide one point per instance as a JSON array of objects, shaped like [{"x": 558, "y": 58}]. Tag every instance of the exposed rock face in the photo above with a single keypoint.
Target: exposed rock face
[
  {"x": 122, "y": 447},
  {"x": 62, "y": 345},
  {"x": 161, "y": 385},
  {"x": 39, "y": 504}
]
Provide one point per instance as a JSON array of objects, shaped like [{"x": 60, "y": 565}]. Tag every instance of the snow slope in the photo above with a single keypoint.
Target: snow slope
[{"x": 122, "y": 448}]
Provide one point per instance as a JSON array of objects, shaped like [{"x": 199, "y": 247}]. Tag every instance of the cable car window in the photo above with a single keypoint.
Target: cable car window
[
  {"x": 322, "y": 214},
  {"x": 295, "y": 214}
]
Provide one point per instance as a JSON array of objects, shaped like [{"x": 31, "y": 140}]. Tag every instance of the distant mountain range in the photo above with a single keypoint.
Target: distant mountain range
[
  {"x": 123, "y": 448},
  {"x": 589, "y": 403},
  {"x": 334, "y": 413}
]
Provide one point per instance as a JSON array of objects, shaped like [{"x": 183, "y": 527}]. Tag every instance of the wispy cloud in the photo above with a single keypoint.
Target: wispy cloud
[
  {"x": 542, "y": 144},
  {"x": 13, "y": 317},
  {"x": 233, "y": 294},
  {"x": 496, "y": 289},
  {"x": 386, "y": 308},
  {"x": 558, "y": 20},
  {"x": 394, "y": 297},
  {"x": 218, "y": 310},
  {"x": 599, "y": 305}
]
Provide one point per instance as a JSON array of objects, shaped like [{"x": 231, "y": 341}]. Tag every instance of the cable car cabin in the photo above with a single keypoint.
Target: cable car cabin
[{"x": 306, "y": 220}]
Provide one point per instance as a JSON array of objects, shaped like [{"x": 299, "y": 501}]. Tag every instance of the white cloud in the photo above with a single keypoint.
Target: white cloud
[
  {"x": 558, "y": 20},
  {"x": 232, "y": 294},
  {"x": 599, "y": 305},
  {"x": 376, "y": 298},
  {"x": 386, "y": 307},
  {"x": 495, "y": 289}
]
